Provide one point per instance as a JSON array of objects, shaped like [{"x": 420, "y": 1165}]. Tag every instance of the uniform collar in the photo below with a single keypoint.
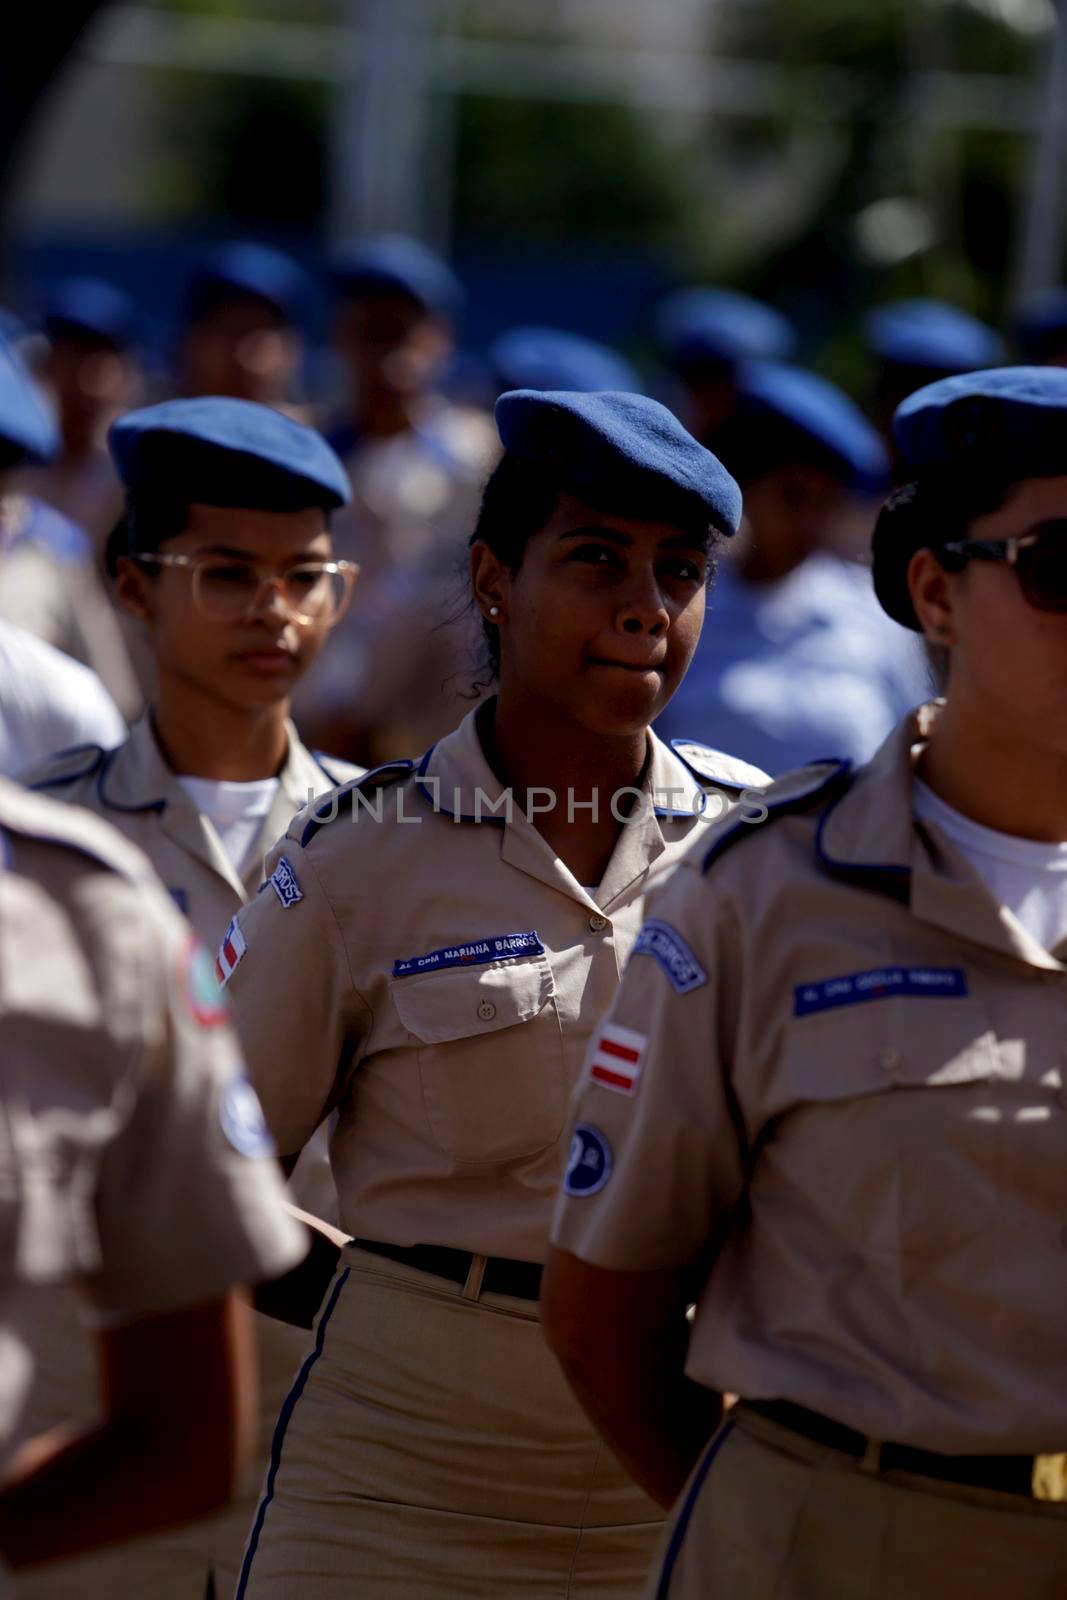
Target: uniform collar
[
  {"x": 455, "y": 779},
  {"x": 870, "y": 837},
  {"x": 136, "y": 778}
]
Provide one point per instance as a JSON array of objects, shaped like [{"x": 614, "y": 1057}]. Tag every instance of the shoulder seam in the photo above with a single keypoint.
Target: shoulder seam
[
  {"x": 833, "y": 783},
  {"x": 342, "y": 797}
]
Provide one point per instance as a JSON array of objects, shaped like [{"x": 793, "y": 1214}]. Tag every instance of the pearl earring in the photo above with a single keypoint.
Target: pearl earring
[{"x": 494, "y": 611}]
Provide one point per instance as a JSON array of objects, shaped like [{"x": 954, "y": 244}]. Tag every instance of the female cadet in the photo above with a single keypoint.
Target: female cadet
[
  {"x": 450, "y": 933},
  {"x": 224, "y": 555},
  {"x": 847, "y": 1138}
]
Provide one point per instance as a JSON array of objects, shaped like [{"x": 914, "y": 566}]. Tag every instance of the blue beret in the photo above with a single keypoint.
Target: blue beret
[
  {"x": 1011, "y": 421},
  {"x": 393, "y": 262},
  {"x": 821, "y": 414},
  {"x": 620, "y": 452},
  {"x": 90, "y": 307},
  {"x": 931, "y": 334},
  {"x": 722, "y": 326},
  {"x": 548, "y": 358},
  {"x": 26, "y": 426},
  {"x": 1041, "y": 324},
  {"x": 245, "y": 271},
  {"x": 219, "y": 451}
]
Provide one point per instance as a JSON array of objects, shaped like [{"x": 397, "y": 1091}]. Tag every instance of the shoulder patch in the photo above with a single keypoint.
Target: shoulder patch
[
  {"x": 343, "y": 799},
  {"x": 794, "y": 793},
  {"x": 726, "y": 771},
  {"x": 67, "y": 766}
]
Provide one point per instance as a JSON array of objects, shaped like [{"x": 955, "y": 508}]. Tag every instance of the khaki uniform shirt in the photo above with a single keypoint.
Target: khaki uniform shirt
[
  {"x": 848, "y": 1069},
  {"x": 134, "y": 789},
  {"x": 125, "y": 1117},
  {"x": 435, "y": 978}
]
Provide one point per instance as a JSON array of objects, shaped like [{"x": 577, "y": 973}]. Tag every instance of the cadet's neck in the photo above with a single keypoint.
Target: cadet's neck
[
  {"x": 216, "y": 741},
  {"x": 989, "y": 775},
  {"x": 528, "y": 751},
  {"x": 385, "y": 414}
]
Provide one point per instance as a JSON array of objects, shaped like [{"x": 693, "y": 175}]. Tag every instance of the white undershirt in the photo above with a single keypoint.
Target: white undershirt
[
  {"x": 235, "y": 810},
  {"x": 1026, "y": 875}
]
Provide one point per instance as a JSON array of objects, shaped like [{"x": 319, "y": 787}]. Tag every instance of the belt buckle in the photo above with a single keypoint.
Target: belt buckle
[{"x": 1049, "y": 1478}]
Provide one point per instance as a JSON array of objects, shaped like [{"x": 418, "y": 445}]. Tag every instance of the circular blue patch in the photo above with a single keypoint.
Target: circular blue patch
[
  {"x": 589, "y": 1163},
  {"x": 242, "y": 1119}
]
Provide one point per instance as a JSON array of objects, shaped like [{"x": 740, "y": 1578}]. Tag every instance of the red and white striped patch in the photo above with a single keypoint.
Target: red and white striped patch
[
  {"x": 231, "y": 953},
  {"x": 616, "y": 1060}
]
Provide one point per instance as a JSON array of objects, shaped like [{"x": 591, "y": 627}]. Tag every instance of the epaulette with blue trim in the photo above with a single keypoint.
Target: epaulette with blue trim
[
  {"x": 67, "y": 766},
  {"x": 45, "y": 820},
  {"x": 715, "y": 766},
  {"x": 342, "y": 800},
  {"x": 795, "y": 793},
  {"x": 348, "y": 771}
]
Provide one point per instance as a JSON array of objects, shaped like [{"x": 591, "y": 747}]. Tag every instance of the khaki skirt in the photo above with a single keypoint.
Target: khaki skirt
[{"x": 430, "y": 1448}]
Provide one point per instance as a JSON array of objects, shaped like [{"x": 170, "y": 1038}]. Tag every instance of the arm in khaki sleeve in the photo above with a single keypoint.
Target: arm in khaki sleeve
[
  {"x": 299, "y": 1016},
  {"x": 188, "y": 1205},
  {"x": 653, "y": 1177}
]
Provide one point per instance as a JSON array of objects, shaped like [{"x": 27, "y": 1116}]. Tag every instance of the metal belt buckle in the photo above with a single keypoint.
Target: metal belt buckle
[{"x": 1049, "y": 1478}]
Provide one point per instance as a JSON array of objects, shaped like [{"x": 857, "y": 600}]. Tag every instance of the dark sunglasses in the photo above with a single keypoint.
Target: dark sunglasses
[{"x": 1038, "y": 559}]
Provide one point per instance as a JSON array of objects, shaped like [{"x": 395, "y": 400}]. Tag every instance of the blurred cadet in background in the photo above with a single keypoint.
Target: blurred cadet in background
[
  {"x": 90, "y": 370},
  {"x": 796, "y": 661},
  {"x": 1041, "y": 328},
  {"x": 549, "y": 358},
  {"x": 704, "y": 336},
  {"x": 241, "y": 327},
  {"x": 137, "y": 1167},
  {"x": 48, "y": 576},
  {"x": 48, "y": 702},
  {"x": 916, "y": 342},
  {"x": 225, "y": 557},
  {"x": 395, "y": 678}
]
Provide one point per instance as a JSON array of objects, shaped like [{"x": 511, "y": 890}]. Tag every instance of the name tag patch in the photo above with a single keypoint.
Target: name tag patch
[
  {"x": 283, "y": 880},
  {"x": 589, "y": 1162},
  {"x": 880, "y": 983},
  {"x": 232, "y": 952},
  {"x": 667, "y": 947},
  {"x": 476, "y": 953},
  {"x": 616, "y": 1059}
]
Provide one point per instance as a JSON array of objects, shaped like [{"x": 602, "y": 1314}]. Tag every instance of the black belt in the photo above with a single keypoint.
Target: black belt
[
  {"x": 1008, "y": 1474},
  {"x": 501, "y": 1276}
]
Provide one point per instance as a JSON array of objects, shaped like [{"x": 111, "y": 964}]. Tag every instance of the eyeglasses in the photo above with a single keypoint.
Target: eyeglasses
[
  {"x": 315, "y": 593},
  {"x": 1039, "y": 561}
]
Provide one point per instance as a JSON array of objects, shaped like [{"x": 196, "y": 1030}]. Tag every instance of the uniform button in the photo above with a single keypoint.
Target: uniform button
[
  {"x": 889, "y": 1060},
  {"x": 486, "y": 1010},
  {"x": 597, "y": 924}
]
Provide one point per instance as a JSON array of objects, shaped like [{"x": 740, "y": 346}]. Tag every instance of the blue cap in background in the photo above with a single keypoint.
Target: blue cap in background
[
  {"x": 819, "y": 415},
  {"x": 246, "y": 271},
  {"x": 620, "y": 452},
  {"x": 392, "y": 262},
  {"x": 931, "y": 334},
  {"x": 91, "y": 308},
  {"x": 549, "y": 358},
  {"x": 721, "y": 327}
]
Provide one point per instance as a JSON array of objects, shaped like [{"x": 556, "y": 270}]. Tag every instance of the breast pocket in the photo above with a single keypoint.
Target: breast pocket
[
  {"x": 490, "y": 1058},
  {"x": 895, "y": 1131}
]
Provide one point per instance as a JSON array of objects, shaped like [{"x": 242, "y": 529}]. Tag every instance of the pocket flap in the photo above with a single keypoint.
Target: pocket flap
[{"x": 465, "y": 1004}]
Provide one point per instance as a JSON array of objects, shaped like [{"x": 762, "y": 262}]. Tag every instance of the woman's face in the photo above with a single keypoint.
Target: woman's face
[
  {"x": 1008, "y": 659},
  {"x": 252, "y": 662},
  {"x": 602, "y": 617}
]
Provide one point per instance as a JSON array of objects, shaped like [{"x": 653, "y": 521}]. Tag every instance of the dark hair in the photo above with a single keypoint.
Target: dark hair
[
  {"x": 937, "y": 507},
  {"x": 147, "y": 522},
  {"x": 518, "y": 500}
]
